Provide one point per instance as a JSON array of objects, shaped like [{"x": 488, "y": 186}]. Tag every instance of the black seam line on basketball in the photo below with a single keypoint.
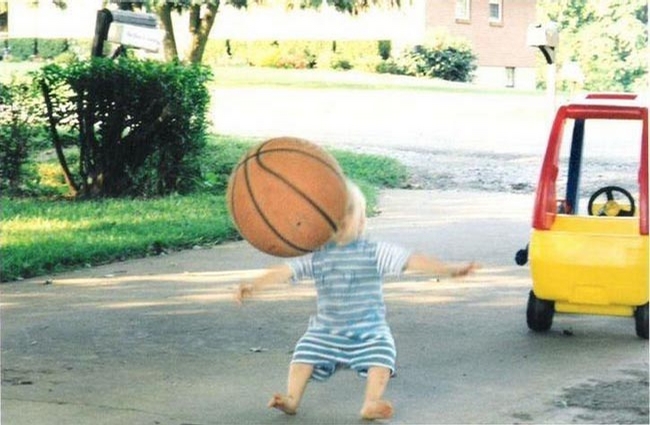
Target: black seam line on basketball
[
  {"x": 302, "y": 194},
  {"x": 266, "y": 220},
  {"x": 257, "y": 153}
]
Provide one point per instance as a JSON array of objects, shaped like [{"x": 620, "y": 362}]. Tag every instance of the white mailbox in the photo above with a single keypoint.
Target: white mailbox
[
  {"x": 140, "y": 37},
  {"x": 546, "y": 37},
  {"x": 126, "y": 28}
]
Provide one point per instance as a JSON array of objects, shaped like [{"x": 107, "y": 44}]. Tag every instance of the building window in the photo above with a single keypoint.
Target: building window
[
  {"x": 510, "y": 76},
  {"x": 463, "y": 10},
  {"x": 496, "y": 11}
]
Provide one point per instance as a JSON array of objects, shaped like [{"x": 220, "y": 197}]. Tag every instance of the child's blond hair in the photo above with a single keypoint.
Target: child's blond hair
[
  {"x": 354, "y": 221},
  {"x": 356, "y": 198}
]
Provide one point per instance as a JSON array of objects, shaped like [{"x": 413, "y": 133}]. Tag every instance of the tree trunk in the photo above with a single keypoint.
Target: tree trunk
[
  {"x": 58, "y": 146},
  {"x": 200, "y": 28},
  {"x": 164, "y": 12}
]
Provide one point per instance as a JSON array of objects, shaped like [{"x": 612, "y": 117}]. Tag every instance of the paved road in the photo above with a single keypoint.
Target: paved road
[
  {"x": 429, "y": 120},
  {"x": 159, "y": 341},
  {"x": 450, "y": 140}
]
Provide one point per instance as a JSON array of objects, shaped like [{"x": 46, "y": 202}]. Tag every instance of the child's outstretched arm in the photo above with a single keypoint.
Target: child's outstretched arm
[
  {"x": 275, "y": 275},
  {"x": 419, "y": 263}
]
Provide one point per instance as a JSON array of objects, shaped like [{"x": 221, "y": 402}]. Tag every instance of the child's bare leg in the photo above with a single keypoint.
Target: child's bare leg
[
  {"x": 299, "y": 374},
  {"x": 374, "y": 407}
]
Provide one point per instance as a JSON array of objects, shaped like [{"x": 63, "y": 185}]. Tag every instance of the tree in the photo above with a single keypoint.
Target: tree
[
  {"x": 202, "y": 14},
  {"x": 608, "y": 38},
  {"x": 139, "y": 126}
]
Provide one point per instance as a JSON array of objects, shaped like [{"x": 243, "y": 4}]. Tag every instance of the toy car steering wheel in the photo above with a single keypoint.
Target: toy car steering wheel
[{"x": 611, "y": 208}]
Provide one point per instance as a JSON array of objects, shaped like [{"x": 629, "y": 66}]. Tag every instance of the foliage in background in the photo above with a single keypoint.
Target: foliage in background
[
  {"x": 440, "y": 56},
  {"x": 21, "y": 129},
  {"x": 22, "y": 49},
  {"x": 297, "y": 54},
  {"x": 140, "y": 125},
  {"x": 607, "y": 38},
  {"x": 44, "y": 48}
]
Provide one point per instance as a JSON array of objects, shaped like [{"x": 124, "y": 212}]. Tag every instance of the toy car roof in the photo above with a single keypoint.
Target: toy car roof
[{"x": 608, "y": 105}]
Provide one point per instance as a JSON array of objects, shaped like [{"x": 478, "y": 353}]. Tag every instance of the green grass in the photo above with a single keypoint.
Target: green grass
[
  {"x": 307, "y": 79},
  {"x": 42, "y": 236},
  {"x": 356, "y": 80}
]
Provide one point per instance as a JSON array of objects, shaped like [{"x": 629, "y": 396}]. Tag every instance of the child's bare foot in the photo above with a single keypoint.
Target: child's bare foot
[
  {"x": 283, "y": 403},
  {"x": 379, "y": 409}
]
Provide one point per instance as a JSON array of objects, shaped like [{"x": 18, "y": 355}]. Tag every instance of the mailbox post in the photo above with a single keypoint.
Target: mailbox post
[
  {"x": 546, "y": 39},
  {"x": 139, "y": 30}
]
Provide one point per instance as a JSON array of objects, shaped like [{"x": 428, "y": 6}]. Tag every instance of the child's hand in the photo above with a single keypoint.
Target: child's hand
[
  {"x": 244, "y": 290},
  {"x": 274, "y": 275},
  {"x": 464, "y": 270}
]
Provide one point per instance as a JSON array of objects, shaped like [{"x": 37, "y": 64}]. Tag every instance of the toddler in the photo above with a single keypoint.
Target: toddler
[{"x": 349, "y": 329}]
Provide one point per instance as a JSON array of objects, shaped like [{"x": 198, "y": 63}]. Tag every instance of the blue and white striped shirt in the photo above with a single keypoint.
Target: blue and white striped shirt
[{"x": 349, "y": 281}]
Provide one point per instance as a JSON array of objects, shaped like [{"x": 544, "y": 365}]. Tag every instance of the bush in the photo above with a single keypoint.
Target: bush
[
  {"x": 441, "y": 56},
  {"x": 22, "y": 49},
  {"x": 297, "y": 54},
  {"x": 384, "y": 48},
  {"x": 389, "y": 66},
  {"x": 139, "y": 125},
  {"x": 20, "y": 128},
  {"x": 449, "y": 63}
]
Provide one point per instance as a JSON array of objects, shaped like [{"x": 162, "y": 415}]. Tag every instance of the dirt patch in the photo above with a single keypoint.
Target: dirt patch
[
  {"x": 495, "y": 172},
  {"x": 621, "y": 401}
]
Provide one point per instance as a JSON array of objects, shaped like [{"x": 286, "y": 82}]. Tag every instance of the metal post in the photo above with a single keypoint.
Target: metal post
[{"x": 103, "y": 22}]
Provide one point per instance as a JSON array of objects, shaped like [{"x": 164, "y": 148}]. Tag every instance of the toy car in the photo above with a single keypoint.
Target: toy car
[{"x": 592, "y": 257}]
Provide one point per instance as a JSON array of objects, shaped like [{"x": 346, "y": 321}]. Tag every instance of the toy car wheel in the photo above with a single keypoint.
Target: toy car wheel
[
  {"x": 539, "y": 314},
  {"x": 641, "y": 321}
]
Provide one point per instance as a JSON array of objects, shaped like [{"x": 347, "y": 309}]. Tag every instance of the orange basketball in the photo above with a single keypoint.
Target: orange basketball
[{"x": 287, "y": 196}]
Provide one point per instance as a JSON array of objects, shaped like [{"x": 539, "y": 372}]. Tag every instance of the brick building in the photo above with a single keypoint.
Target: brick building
[{"x": 496, "y": 30}]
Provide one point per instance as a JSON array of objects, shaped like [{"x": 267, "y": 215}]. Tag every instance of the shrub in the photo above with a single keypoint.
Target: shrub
[
  {"x": 389, "y": 66},
  {"x": 139, "y": 125},
  {"x": 441, "y": 56},
  {"x": 298, "y": 54},
  {"x": 384, "y": 48},
  {"x": 20, "y": 128},
  {"x": 341, "y": 63},
  {"x": 448, "y": 63},
  {"x": 24, "y": 48},
  {"x": 21, "y": 48},
  {"x": 50, "y": 48}
]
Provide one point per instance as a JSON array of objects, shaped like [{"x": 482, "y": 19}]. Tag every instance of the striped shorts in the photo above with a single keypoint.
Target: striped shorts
[{"x": 328, "y": 351}]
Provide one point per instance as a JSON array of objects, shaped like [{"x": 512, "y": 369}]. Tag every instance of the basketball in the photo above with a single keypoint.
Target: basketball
[{"x": 287, "y": 196}]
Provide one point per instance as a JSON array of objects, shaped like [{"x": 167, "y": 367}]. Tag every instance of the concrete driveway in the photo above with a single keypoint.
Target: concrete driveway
[{"x": 159, "y": 340}]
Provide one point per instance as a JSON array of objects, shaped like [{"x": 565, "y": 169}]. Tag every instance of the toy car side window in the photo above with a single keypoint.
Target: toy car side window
[{"x": 599, "y": 158}]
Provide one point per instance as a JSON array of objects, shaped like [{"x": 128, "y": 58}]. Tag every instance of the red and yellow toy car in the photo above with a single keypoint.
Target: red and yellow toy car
[{"x": 588, "y": 250}]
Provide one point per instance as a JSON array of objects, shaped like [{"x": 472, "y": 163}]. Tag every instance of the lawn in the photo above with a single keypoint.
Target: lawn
[
  {"x": 42, "y": 236},
  {"x": 241, "y": 76}
]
